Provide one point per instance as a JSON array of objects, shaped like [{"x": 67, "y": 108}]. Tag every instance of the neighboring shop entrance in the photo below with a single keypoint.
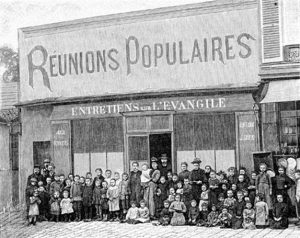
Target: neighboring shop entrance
[{"x": 148, "y": 136}]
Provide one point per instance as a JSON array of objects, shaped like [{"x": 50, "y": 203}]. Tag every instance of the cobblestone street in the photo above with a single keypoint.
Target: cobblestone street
[{"x": 17, "y": 228}]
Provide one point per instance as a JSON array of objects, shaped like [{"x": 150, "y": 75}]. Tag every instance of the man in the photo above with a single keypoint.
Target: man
[
  {"x": 165, "y": 165},
  {"x": 45, "y": 171},
  {"x": 197, "y": 178},
  {"x": 36, "y": 174},
  {"x": 184, "y": 172}
]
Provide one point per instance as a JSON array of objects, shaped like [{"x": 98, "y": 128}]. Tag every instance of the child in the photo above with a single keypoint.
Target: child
[
  {"x": 220, "y": 204},
  {"x": 193, "y": 213},
  {"x": 117, "y": 178},
  {"x": 76, "y": 196},
  {"x": 225, "y": 218},
  {"x": 224, "y": 189},
  {"x": 280, "y": 214},
  {"x": 68, "y": 185},
  {"x": 134, "y": 183},
  {"x": 55, "y": 206},
  {"x": 163, "y": 186},
  {"x": 237, "y": 220},
  {"x": 124, "y": 195},
  {"x": 187, "y": 195},
  {"x": 143, "y": 213},
  {"x": 171, "y": 197},
  {"x": 158, "y": 202},
  {"x": 282, "y": 184},
  {"x": 97, "y": 199},
  {"x": 213, "y": 217},
  {"x": 203, "y": 216},
  {"x": 71, "y": 177},
  {"x": 113, "y": 201},
  {"x": 229, "y": 202},
  {"x": 241, "y": 184},
  {"x": 66, "y": 207},
  {"x": 132, "y": 214},
  {"x": 234, "y": 189},
  {"x": 62, "y": 183},
  {"x": 104, "y": 201},
  {"x": 82, "y": 181},
  {"x": 33, "y": 208},
  {"x": 207, "y": 170},
  {"x": 89, "y": 175},
  {"x": 179, "y": 189},
  {"x": 204, "y": 196},
  {"x": 48, "y": 184},
  {"x": 169, "y": 177},
  {"x": 178, "y": 208},
  {"x": 174, "y": 181},
  {"x": 264, "y": 184},
  {"x": 44, "y": 205},
  {"x": 252, "y": 188},
  {"x": 243, "y": 171},
  {"x": 55, "y": 185},
  {"x": 248, "y": 217},
  {"x": 232, "y": 178},
  {"x": 108, "y": 176},
  {"x": 165, "y": 214},
  {"x": 99, "y": 177},
  {"x": 213, "y": 183},
  {"x": 87, "y": 199},
  {"x": 261, "y": 211}
]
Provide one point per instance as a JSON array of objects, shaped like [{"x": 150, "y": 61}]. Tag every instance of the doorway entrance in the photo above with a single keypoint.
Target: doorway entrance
[
  {"x": 160, "y": 144},
  {"x": 148, "y": 136}
]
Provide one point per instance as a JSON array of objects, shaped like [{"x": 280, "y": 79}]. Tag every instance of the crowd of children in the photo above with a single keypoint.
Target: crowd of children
[{"x": 198, "y": 197}]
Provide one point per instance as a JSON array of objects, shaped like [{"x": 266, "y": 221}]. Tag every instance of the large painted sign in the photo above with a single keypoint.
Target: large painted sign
[{"x": 211, "y": 50}]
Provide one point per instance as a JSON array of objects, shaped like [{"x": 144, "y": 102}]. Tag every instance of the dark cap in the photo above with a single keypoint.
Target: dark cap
[
  {"x": 46, "y": 161},
  {"x": 36, "y": 166},
  {"x": 154, "y": 159},
  {"x": 196, "y": 161},
  {"x": 163, "y": 157}
]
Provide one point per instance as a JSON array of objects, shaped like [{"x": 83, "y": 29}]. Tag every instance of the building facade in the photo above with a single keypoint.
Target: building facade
[{"x": 106, "y": 91}]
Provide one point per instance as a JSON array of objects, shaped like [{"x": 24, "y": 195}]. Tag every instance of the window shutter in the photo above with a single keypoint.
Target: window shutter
[{"x": 270, "y": 27}]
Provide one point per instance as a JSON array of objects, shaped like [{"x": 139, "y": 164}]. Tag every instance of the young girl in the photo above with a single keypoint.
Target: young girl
[
  {"x": 143, "y": 214},
  {"x": 178, "y": 208},
  {"x": 230, "y": 202},
  {"x": 33, "y": 208},
  {"x": 264, "y": 184},
  {"x": 179, "y": 189},
  {"x": 66, "y": 207},
  {"x": 193, "y": 213},
  {"x": 212, "y": 219},
  {"x": 117, "y": 178},
  {"x": 104, "y": 201},
  {"x": 171, "y": 197},
  {"x": 132, "y": 214},
  {"x": 261, "y": 211},
  {"x": 108, "y": 176},
  {"x": 55, "y": 206},
  {"x": 204, "y": 196},
  {"x": 213, "y": 183},
  {"x": 248, "y": 217},
  {"x": 113, "y": 201},
  {"x": 97, "y": 199}
]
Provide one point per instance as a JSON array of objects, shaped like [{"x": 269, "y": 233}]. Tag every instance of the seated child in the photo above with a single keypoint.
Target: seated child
[
  {"x": 55, "y": 206},
  {"x": 66, "y": 207},
  {"x": 280, "y": 214},
  {"x": 165, "y": 214},
  {"x": 225, "y": 218},
  {"x": 229, "y": 202},
  {"x": 171, "y": 197},
  {"x": 204, "y": 196},
  {"x": 132, "y": 213},
  {"x": 213, "y": 217},
  {"x": 240, "y": 204},
  {"x": 203, "y": 216},
  {"x": 143, "y": 214},
  {"x": 34, "y": 208},
  {"x": 220, "y": 203},
  {"x": 248, "y": 217},
  {"x": 193, "y": 213},
  {"x": 261, "y": 211},
  {"x": 178, "y": 208}
]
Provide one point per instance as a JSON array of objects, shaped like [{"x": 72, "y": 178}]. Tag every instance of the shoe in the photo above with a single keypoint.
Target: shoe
[
  {"x": 111, "y": 220},
  {"x": 85, "y": 220},
  {"x": 76, "y": 219},
  {"x": 117, "y": 219},
  {"x": 99, "y": 219}
]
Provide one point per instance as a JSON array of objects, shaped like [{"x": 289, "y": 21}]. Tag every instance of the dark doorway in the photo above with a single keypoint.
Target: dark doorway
[
  {"x": 41, "y": 151},
  {"x": 160, "y": 144}
]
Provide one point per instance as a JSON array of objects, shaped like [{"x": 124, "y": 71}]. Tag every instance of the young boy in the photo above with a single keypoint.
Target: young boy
[
  {"x": 252, "y": 187},
  {"x": 241, "y": 184},
  {"x": 48, "y": 184},
  {"x": 237, "y": 220},
  {"x": 163, "y": 186},
  {"x": 117, "y": 178},
  {"x": 87, "y": 199},
  {"x": 113, "y": 201},
  {"x": 203, "y": 215},
  {"x": 108, "y": 177},
  {"x": 165, "y": 214},
  {"x": 29, "y": 191},
  {"x": 249, "y": 217},
  {"x": 213, "y": 183},
  {"x": 230, "y": 202},
  {"x": 76, "y": 196},
  {"x": 213, "y": 217},
  {"x": 187, "y": 195},
  {"x": 280, "y": 214},
  {"x": 124, "y": 195},
  {"x": 225, "y": 218},
  {"x": 99, "y": 176},
  {"x": 104, "y": 201},
  {"x": 193, "y": 213},
  {"x": 44, "y": 205},
  {"x": 134, "y": 183},
  {"x": 143, "y": 214},
  {"x": 232, "y": 178},
  {"x": 55, "y": 206},
  {"x": 55, "y": 185},
  {"x": 132, "y": 214}
]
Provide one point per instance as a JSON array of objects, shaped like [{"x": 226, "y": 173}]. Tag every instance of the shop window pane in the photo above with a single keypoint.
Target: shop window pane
[
  {"x": 184, "y": 132},
  {"x": 269, "y": 107},
  {"x": 160, "y": 122},
  {"x": 287, "y": 106},
  {"x": 138, "y": 148},
  {"x": 224, "y": 132},
  {"x": 298, "y": 105},
  {"x": 136, "y": 123},
  {"x": 285, "y": 114},
  {"x": 81, "y": 133},
  {"x": 204, "y": 137}
]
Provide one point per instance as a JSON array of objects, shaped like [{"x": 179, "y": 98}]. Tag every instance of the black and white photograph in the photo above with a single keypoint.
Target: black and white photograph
[{"x": 136, "y": 118}]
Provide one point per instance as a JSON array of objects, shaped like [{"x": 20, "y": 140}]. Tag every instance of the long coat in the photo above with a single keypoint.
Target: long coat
[{"x": 113, "y": 198}]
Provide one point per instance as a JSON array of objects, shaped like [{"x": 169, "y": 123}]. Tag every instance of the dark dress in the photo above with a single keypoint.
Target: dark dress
[
  {"x": 282, "y": 183},
  {"x": 280, "y": 209},
  {"x": 184, "y": 175},
  {"x": 237, "y": 219},
  {"x": 165, "y": 169},
  {"x": 165, "y": 217},
  {"x": 197, "y": 175},
  {"x": 134, "y": 186},
  {"x": 164, "y": 190}
]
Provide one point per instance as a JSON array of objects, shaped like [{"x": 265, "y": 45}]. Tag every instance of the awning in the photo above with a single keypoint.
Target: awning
[{"x": 283, "y": 91}]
